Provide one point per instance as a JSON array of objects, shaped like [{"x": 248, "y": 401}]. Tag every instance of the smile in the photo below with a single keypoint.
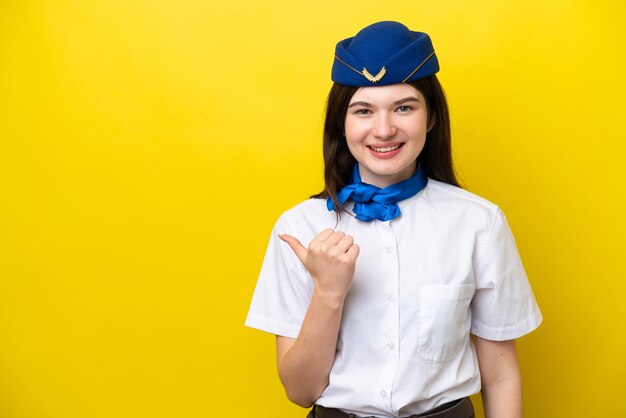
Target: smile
[{"x": 385, "y": 149}]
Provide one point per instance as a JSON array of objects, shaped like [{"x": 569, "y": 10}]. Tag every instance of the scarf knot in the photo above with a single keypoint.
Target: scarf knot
[{"x": 371, "y": 202}]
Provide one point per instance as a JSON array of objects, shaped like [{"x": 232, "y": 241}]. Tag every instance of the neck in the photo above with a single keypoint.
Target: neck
[
  {"x": 374, "y": 202},
  {"x": 383, "y": 181}
]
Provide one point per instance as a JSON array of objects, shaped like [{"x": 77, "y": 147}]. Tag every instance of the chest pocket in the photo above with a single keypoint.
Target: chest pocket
[{"x": 444, "y": 320}]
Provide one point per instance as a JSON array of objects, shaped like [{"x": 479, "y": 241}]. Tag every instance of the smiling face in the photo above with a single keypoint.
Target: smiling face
[{"x": 386, "y": 129}]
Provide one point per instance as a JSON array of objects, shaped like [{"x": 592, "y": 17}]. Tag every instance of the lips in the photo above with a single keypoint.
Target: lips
[{"x": 385, "y": 149}]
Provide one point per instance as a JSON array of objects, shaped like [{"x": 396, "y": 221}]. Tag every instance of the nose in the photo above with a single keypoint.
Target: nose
[{"x": 384, "y": 127}]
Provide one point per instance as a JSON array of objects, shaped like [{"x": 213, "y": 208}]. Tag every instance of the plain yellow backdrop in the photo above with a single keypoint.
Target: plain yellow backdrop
[{"x": 147, "y": 147}]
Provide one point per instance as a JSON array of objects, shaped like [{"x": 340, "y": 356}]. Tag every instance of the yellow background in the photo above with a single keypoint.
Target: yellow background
[{"x": 147, "y": 147}]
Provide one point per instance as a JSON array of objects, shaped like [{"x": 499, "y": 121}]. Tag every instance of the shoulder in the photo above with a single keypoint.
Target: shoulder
[
  {"x": 308, "y": 217},
  {"x": 456, "y": 203},
  {"x": 311, "y": 209},
  {"x": 453, "y": 195},
  {"x": 444, "y": 192}
]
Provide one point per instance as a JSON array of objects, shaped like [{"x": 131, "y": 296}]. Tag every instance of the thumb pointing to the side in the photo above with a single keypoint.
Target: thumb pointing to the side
[{"x": 296, "y": 246}]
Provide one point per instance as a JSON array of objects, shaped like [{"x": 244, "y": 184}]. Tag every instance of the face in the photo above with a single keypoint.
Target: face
[{"x": 386, "y": 129}]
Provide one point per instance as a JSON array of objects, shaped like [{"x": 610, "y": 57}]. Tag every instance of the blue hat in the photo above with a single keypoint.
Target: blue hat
[{"x": 384, "y": 53}]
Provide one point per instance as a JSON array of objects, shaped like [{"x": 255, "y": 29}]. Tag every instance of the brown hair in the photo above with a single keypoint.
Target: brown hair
[{"x": 435, "y": 159}]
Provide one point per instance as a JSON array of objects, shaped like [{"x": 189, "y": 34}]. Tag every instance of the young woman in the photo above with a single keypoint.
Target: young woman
[{"x": 393, "y": 293}]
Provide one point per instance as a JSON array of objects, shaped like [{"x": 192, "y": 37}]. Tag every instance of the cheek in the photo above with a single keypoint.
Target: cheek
[
  {"x": 355, "y": 133},
  {"x": 350, "y": 128},
  {"x": 418, "y": 128},
  {"x": 353, "y": 147}
]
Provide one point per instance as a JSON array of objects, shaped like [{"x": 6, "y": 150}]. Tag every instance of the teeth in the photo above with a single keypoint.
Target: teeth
[{"x": 386, "y": 149}]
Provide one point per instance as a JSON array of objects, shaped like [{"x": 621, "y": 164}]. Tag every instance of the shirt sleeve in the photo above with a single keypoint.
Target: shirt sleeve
[
  {"x": 503, "y": 306},
  {"x": 283, "y": 290}
]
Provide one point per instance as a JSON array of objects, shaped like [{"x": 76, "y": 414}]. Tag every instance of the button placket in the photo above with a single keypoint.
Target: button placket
[{"x": 389, "y": 344}]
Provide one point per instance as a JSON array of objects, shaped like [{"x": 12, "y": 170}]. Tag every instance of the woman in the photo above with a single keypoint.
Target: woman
[{"x": 375, "y": 286}]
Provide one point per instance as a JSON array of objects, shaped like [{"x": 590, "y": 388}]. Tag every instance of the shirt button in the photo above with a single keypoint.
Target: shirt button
[
  {"x": 391, "y": 298},
  {"x": 389, "y": 250},
  {"x": 390, "y": 345},
  {"x": 383, "y": 393}
]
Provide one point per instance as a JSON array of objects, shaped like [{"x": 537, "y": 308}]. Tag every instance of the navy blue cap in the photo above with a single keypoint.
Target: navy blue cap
[{"x": 384, "y": 53}]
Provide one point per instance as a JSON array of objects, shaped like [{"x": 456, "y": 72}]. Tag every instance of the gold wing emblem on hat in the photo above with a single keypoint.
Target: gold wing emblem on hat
[{"x": 374, "y": 78}]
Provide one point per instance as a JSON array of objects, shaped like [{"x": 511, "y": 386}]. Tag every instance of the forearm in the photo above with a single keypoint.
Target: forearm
[
  {"x": 503, "y": 399},
  {"x": 304, "y": 364},
  {"x": 501, "y": 378}
]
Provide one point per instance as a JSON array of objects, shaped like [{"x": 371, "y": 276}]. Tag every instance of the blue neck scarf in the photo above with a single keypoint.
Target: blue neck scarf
[{"x": 371, "y": 202}]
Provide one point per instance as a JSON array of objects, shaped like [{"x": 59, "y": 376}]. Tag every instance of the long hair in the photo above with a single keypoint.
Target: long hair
[{"x": 435, "y": 158}]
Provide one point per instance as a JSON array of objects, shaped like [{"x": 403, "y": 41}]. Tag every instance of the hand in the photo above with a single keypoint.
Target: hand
[{"x": 330, "y": 260}]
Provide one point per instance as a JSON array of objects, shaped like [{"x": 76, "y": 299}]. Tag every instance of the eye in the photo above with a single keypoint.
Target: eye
[
  {"x": 362, "y": 112},
  {"x": 404, "y": 108}
]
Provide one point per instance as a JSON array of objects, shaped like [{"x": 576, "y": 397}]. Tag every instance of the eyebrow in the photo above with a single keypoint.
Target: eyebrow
[
  {"x": 406, "y": 100},
  {"x": 396, "y": 103}
]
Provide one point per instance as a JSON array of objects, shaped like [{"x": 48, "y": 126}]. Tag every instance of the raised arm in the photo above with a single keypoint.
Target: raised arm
[
  {"x": 501, "y": 379},
  {"x": 304, "y": 363}
]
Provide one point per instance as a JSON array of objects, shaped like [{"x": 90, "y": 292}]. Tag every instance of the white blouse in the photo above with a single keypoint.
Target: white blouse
[{"x": 447, "y": 267}]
